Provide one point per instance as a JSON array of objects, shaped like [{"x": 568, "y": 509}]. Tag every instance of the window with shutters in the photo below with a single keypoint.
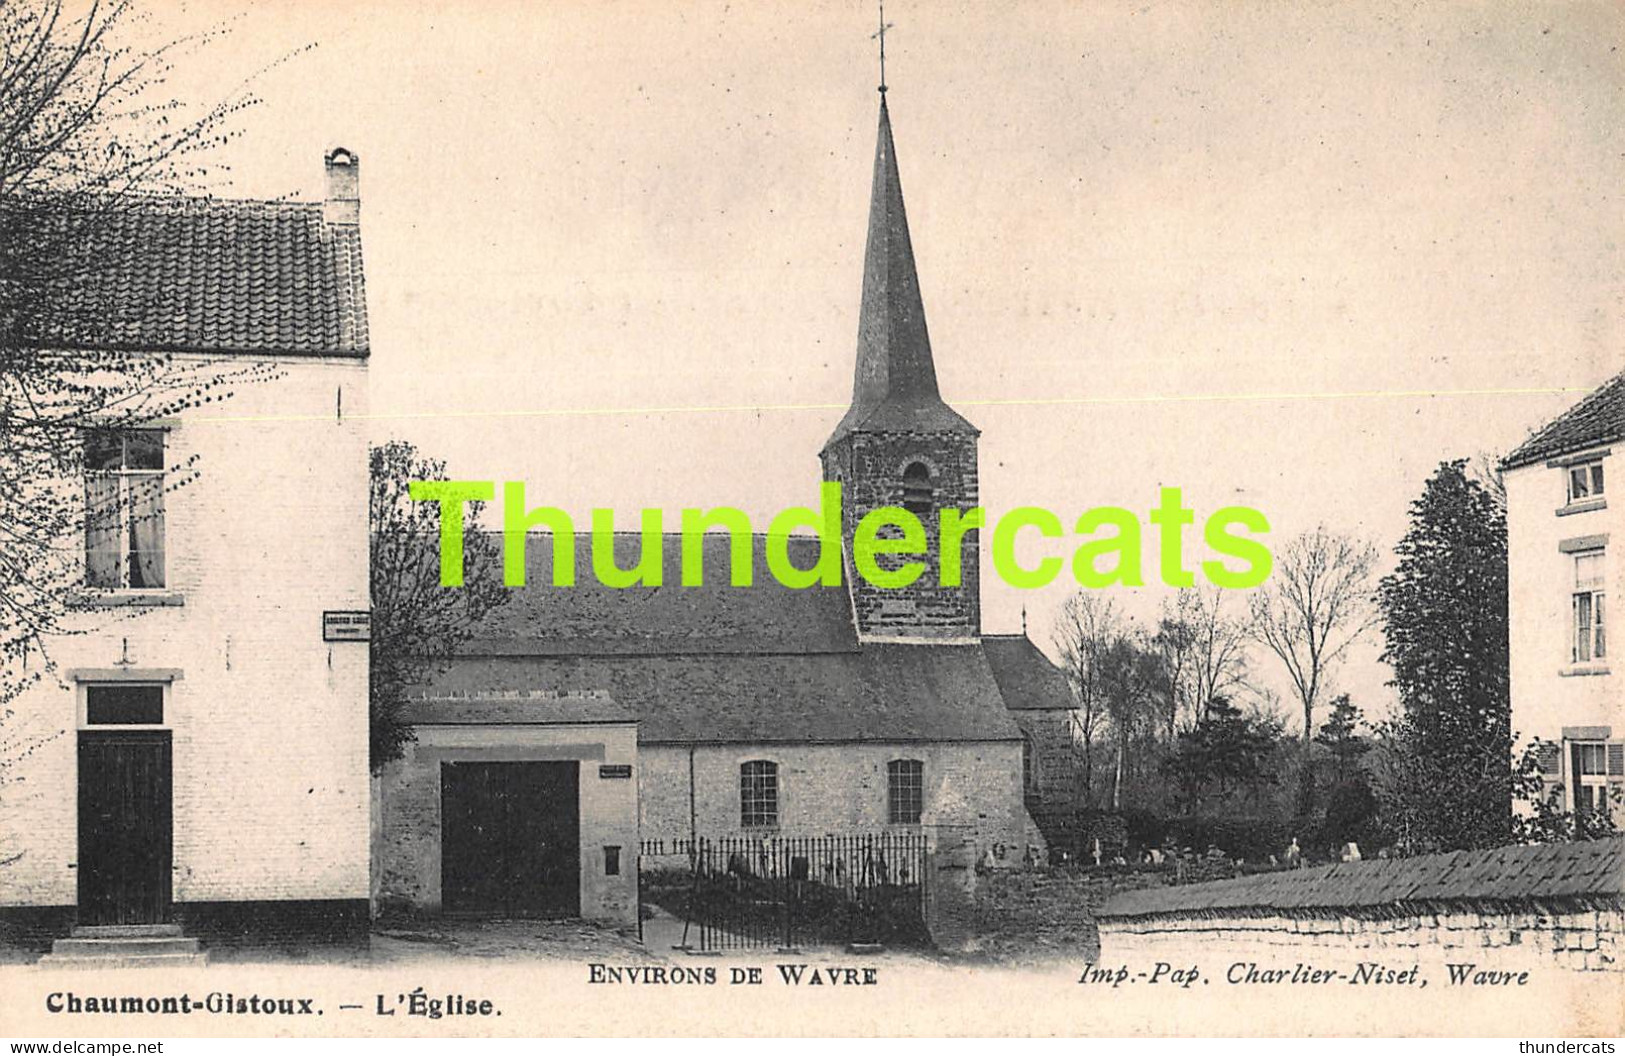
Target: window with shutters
[
  {"x": 124, "y": 509},
  {"x": 759, "y": 794},
  {"x": 1589, "y": 763},
  {"x": 1590, "y": 639}
]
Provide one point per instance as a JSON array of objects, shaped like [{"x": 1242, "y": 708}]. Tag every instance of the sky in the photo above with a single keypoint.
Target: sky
[{"x": 1285, "y": 255}]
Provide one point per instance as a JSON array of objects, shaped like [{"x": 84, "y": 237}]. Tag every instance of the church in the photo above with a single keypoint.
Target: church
[{"x": 654, "y": 715}]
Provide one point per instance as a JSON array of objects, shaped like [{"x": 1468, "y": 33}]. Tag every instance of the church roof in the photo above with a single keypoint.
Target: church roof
[
  {"x": 161, "y": 274},
  {"x": 880, "y": 692},
  {"x": 715, "y": 618},
  {"x": 895, "y": 385},
  {"x": 723, "y": 664},
  {"x": 1597, "y": 419},
  {"x": 512, "y": 707},
  {"x": 1027, "y": 679}
]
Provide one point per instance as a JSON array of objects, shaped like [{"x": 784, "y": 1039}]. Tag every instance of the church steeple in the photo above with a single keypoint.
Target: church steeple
[
  {"x": 895, "y": 385},
  {"x": 900, "y": 445}
]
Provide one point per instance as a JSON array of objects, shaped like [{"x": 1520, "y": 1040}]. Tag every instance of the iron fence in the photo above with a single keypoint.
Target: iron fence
[{"x": 742, "y": 892}]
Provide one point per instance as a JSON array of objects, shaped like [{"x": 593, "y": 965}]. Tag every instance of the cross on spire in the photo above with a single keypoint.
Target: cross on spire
[{"x": 880, "y": 35}]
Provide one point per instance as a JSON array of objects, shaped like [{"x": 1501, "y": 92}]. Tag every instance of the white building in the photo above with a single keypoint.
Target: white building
[
  {"x": 1566, "y": 536},
  {"x": 205, "y": 761}
]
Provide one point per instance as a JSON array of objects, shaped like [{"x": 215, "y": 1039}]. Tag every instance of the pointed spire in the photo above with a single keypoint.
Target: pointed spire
[{"x": 895, "y": 387}]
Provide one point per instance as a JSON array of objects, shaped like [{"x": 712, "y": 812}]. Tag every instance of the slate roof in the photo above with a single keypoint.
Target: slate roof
[
  {"x": 886, "y": 693},
  {"x": 516, "y": 708},
  {"x": 714, "y": 618},
  {"x": 1028, "y": 680},
  {"x": 724, "y": 664},
  {"x": 212, "y": 276},
  {"x": 1597, "y": 419},
  {"x": 1594, "y": 869},
  {"x": 894, "y": 386}
]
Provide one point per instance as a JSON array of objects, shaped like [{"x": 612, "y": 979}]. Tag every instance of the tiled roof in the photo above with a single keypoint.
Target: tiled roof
[
  {"x": 1028, "y": 680},
  {"x": 1597, "y": 419},
  {"x": 1594, "y": 869},
  {"x": 213, "y": 276},
  {"x": 719, "y": 663}
]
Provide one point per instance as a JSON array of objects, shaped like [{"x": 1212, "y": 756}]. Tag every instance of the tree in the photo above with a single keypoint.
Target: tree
[
  {"x": 1314, "y": 606},
  {"x": 1084, "y": 630},
  {"x": 1225, "y": 754},
  {"x": 85, "y": 137},
  {"x": 1219, "y": 649},
  {"x": 1340, "y": 735},
  {"x": 1444, "y": 611},
  {"x": 418, "y": 625},
  {"x": 1175, "y": 642},
  {"x": 1133, "y": 685}
]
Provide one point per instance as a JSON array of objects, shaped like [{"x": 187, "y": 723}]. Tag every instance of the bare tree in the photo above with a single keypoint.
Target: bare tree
[
  {"x": 1219, "y": 647},
  {"x": 1317, "y": 602},
  {"x": 86, "y": 139},
  {"x": 1084, "y": 630},
  {"x": 1175, "y": 641},
  {"x": 417, "y": 624}
]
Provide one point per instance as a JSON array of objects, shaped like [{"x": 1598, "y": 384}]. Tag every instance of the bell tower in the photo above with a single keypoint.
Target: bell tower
[{"x": 899, "y": 444}]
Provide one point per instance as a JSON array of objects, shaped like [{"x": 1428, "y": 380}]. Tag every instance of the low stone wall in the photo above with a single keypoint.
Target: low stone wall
[
  {"x": 1587, "y": 939},
  {"x": 1557, "y": 905}
]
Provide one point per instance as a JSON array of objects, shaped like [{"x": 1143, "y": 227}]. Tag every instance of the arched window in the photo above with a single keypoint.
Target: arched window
[
  {"x": 917, "y": 493},
  {"x": 759, "y": 794},
  {"x": 1027, "y": 783},
  {"x": 905, "y": 791}
]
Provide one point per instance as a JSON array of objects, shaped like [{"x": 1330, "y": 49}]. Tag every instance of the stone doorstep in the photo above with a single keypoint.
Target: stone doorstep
[
  {"x": 136, "y": 946},
  {"x": 126, "y": 931},
  {"x": 125, "y": 945},
  {"x": 105, "y": 960}
]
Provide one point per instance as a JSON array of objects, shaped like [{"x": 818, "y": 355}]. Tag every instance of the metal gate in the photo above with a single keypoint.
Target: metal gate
[{"x": 788, "y": 892}]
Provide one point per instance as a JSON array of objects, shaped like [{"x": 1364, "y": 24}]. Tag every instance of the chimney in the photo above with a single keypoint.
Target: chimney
[{"x": 343, "y": 205}]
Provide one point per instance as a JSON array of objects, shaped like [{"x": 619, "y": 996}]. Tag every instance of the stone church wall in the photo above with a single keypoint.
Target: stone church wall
[
  {"x": 838, "y": 789},
  {"x": 870, "y": 468}
]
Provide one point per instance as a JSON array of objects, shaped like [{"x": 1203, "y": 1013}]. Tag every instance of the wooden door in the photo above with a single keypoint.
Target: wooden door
[
  {"x": 510, "y": 839},
  {"x": 125, "y": 826}
]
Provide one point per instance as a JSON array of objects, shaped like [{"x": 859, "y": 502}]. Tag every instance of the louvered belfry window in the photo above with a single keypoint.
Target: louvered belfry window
[{"x": 917, "y": 491}]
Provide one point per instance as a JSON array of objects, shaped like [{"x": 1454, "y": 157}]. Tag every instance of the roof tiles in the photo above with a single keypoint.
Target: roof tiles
[{"x": 211, "y": 276}]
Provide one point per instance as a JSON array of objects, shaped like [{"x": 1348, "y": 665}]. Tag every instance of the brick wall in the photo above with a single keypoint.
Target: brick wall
[
  {"x": 270, "y": 722},
  {"x": 837, "y": 789},
  {"x": 870, "y": 468}
]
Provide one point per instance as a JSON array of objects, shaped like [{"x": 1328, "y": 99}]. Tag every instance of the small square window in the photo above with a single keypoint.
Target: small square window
[
  {"x": 118, "y": 705},
  {"x": 1585, "y": 482}
]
